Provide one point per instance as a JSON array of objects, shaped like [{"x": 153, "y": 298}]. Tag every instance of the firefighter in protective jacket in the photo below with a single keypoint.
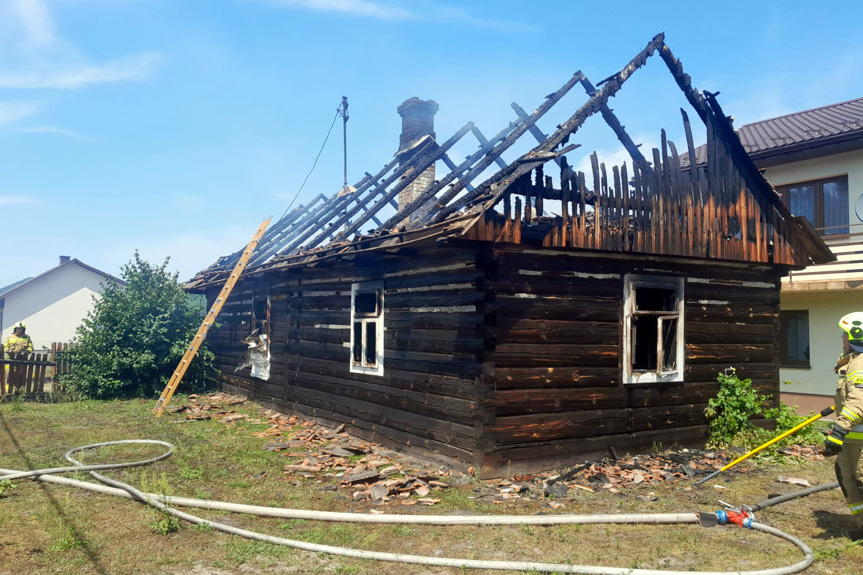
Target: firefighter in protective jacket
[
  {"x": 846, "y": 435},
  {"x": 19, "y": 341}
]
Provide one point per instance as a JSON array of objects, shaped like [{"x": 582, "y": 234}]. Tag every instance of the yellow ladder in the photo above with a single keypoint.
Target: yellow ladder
[{"x": 208, "y": 321}]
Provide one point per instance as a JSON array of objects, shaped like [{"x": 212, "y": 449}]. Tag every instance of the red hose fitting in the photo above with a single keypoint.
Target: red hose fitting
[{"x": 742, "y": 518}]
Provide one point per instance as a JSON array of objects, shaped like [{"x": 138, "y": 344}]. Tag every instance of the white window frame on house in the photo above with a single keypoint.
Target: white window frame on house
[
  {"x": 366, "y": 321},
  {"x": 632, "y": 283}
]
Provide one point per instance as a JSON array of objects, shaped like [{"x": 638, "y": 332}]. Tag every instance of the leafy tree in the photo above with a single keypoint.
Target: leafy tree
[{"x": 133, "y": 339}]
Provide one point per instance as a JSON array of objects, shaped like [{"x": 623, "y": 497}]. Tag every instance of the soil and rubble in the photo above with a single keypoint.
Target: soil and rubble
[{"x": 366, "y": 471}]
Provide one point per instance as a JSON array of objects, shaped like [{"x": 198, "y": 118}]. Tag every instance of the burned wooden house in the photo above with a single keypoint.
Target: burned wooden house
[{"x": 544, "y": 315}]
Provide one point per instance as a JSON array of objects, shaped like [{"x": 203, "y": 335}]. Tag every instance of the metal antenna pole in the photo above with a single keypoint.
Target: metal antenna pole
[{"x": 343, "y": 112}]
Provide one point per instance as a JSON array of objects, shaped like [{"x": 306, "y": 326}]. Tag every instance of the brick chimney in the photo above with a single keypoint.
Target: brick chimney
[
  {"x": 65, "y": 259},
  {"x": 417, "y": 121}
]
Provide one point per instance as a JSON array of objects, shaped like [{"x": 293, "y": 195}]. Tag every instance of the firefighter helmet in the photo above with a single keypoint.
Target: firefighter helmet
[
  {"x": 19, "y": 324},
  {"x": 852, "y": 324}
]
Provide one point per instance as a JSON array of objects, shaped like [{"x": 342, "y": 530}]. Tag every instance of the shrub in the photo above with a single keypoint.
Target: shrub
[
  {"x": 729, "y": 417},
  {"x": 730, "y": 412},
  {"x": 133, "y": 339}
]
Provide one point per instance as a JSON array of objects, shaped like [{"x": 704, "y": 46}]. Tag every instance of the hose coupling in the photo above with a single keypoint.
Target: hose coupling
[{"x": 742, "y": 517}]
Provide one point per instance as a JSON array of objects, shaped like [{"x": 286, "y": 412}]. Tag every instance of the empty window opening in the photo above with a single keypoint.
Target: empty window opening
[
  {"x": 653, "y": 349},
  {"x": 367, "y": 324}
]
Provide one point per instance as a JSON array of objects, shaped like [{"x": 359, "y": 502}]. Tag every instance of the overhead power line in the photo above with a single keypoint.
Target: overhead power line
[{"x": 338, "y": 113}]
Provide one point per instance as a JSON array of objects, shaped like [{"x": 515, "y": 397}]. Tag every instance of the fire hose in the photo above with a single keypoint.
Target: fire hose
[{"x": 742, "y": 517}]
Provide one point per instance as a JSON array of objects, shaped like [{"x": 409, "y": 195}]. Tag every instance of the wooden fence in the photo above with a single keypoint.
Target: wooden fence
[
  {"x": 28, "y": 372},
  {"x": 61, "y": 363},
  {"x": 23, "y": 372}
]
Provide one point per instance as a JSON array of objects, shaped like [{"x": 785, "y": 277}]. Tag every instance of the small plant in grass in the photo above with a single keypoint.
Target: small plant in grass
[
  {"x": 67, "y": 540},
  {"x": 291, "y": 523},
  {"x": 203, "y": 527},
  {"x": 18, "y": 403},
  {"x": 187, "y": 472},
  {"x": 163, "y": 522},
  {"x": 5, "y": 486},
  {"x": 401, "y": 530}
]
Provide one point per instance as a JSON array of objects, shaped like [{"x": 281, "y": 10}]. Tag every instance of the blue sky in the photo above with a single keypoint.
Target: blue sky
[{"x": 175, "y": 126}]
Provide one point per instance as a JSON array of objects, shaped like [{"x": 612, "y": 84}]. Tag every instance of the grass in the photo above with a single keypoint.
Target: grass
[{"x": 46, "y": 528}]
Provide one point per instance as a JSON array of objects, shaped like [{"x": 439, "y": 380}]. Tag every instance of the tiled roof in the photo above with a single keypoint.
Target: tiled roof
[
  {"x": 799, "y": 131},
  {"x": 11, "y": 288},
  {"x": 808, "y": 126},
  {"x": 14, "y": 285}
]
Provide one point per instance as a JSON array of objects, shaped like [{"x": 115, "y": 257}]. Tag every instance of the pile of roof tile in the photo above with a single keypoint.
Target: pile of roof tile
[{"x": 370, "y": 472}]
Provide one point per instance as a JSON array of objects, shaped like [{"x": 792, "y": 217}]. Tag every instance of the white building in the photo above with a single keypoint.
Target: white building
[
  {"x": 814, "y": 158},
  {"x": 52, "y": 304}
]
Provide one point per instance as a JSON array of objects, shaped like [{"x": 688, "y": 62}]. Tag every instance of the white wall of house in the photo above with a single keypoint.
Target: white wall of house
[
  {"x": 850, "y": 163},
  {"x": 812, "y": 388},
  {"x": 825, "y": 338},
  {"x": 52, "y": 305}
]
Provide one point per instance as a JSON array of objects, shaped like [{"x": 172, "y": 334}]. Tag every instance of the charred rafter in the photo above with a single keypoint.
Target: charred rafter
[{"x": 696, "y": 211}]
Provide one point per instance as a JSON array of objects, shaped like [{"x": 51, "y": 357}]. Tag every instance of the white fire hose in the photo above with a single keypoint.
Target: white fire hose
[{"x": 166, "y": 503}]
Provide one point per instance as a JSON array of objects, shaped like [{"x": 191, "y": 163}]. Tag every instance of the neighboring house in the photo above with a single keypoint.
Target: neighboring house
[
  {"x": 52, "y": 304},
  {"x": 540, "y": 318},
  {"x": 814, "y": 159}
]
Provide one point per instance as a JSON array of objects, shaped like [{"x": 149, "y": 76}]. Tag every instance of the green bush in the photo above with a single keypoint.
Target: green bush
[
  {"x": 730, "y": 415},
  {"x": 133, "y": 339},
  {"x": 730, "y": 412}
]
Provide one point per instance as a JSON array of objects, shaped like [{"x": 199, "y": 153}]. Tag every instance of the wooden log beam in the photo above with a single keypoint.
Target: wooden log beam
[
  {"x": 501, "y": 147},
  {"x": 617, "y": 127}
]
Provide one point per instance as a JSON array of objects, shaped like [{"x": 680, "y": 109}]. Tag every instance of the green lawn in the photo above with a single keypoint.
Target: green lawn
[{"x": 48, "y": 528}]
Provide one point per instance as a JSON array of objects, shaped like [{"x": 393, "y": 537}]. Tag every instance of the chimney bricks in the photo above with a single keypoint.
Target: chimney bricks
[{"x": 417, "y": 121}]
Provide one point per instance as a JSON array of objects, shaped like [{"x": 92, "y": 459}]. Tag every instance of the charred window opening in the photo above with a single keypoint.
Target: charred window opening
[
  {"x": 367, "y": 324},
  {"x": 653, "y": 323},
  {"x": 261, "y": 316},
  {"x": 258, "y": 341}
]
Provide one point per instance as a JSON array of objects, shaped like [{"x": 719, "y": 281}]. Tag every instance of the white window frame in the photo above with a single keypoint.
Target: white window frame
[
  {"x": 378, "y": 319},
  {"x": 631, "y": 284}
]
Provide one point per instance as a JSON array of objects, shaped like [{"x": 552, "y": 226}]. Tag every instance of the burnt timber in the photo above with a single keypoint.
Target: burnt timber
[{"x": 508, "y": 314}]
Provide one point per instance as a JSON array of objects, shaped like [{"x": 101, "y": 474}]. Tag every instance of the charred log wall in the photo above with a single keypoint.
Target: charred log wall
[
  {"x": 429, "y": 396},
  {"x": 556, "y": 393}
]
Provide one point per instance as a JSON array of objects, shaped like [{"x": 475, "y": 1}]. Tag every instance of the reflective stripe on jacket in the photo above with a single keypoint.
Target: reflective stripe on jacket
[
  {"x": 15, "y": 344},
  {"x": 849, "y": 398}
]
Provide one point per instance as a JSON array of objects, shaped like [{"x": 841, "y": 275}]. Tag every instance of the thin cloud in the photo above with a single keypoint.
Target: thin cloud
[
  {"x": 424, "y": 11},
  {"x": 14, "y": 110},
  {"x": 131, "y": 69},
  {"x": 448, "y": 14},
  {"x": 16, "y": 200},
  {"x": 52, "y": 130},
  {"x": 354, "y": 7},
  {"x": 35, "y": 20}
]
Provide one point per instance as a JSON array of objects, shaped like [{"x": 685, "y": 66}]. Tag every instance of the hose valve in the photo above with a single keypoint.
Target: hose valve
[{"x": 742, "y": 516}]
